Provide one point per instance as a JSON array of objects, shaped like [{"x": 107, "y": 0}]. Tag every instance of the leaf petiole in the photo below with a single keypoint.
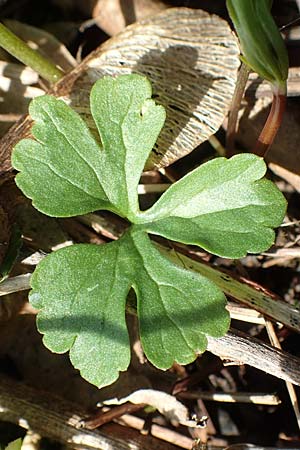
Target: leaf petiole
[{"x": 273, "y": 121}]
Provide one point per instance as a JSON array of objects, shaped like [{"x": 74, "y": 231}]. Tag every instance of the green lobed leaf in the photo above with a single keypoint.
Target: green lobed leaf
[
  {"x": 176, "y": 308},
  {"x": 81, "y": 291},
  {"x": 60, "y": 170},
  {"x": 224, "y": 206},
  {"x": 129, "y": 123},
  {"x": 229, "y": 209},
  {"x": 66, "y": 172},
  {"x": 83, "y": 306}
]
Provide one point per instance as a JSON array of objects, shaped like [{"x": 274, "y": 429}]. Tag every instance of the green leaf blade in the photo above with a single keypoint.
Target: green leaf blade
[
  {"x": 14, "y": 445},
  {"x": 81, "y": 291},
  {"x": 261, "y": 42},
  {"x": 128, "y": 122},
  {"x": 176, "y": 308},
  {"x": 66, "y": 172},
  {"x": 61, "y": 170},
  {"x": 82, "y": 306},
  {"x": 229, "y": 209}
]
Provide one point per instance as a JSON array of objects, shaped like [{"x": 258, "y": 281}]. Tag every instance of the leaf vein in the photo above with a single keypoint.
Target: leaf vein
[
  {"x": 52, "y": 169},
  {"x": 65, "y": 137}
]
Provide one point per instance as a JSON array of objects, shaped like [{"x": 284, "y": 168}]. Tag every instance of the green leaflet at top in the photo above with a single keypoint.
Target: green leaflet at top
[
  {"x": 261, "y": 43},
  {"x": 68, "y": 172},
  {"x": 224, "y": 206}
]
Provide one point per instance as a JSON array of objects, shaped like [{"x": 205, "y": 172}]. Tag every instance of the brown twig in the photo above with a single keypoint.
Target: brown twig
[
  {"x": 102, "y": 417},
  {"x": 234, "y": 109},
  {"x": 158, "y": 431}
]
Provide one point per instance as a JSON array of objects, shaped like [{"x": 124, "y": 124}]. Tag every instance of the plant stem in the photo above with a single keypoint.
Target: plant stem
[
  {"x": 234, "y": 109},
  {"x": 20, "y": 50},
  {"x": 273, "y": 122}
]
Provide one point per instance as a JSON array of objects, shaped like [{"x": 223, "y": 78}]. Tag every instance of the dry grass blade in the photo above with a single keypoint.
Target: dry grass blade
[
  {"x": 234, "y": 397},
  {"x": 240, "y": 289},
  {"x": 244, "y": 314},
  {"x": 291, "y": 390},
  {"x": 15, "y": 284},
  {"x": 244, "y": 349}
]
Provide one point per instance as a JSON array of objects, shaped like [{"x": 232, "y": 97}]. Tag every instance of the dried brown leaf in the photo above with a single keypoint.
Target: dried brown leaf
[
  {"x": 114, "y": 15},
  {"x": 165, "y": 403},
  {"x": 190, "y": 57}
]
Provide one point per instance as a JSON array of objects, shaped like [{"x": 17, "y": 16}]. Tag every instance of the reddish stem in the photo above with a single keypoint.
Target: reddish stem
[{"x": 272, "y": 124}]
